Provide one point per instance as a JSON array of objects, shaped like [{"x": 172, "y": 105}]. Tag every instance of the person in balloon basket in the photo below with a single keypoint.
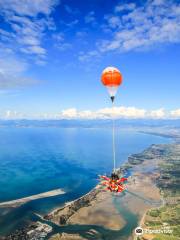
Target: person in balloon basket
[{"x": 114, "y": 183}]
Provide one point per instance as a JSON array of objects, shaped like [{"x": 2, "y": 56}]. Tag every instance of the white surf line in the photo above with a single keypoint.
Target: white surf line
[{"x": 18, "y": 202}]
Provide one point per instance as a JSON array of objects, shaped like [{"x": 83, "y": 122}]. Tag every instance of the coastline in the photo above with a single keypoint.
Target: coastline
[
  {"x": 174, "y": 135},
  {"x": 138, "y": 199},
  {"x": 20, "y": 201},
  {"x": 141, "y": 195}
]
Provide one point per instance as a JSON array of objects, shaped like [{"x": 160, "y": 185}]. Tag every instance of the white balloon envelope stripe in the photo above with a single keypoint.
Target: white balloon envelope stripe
[
  {"x": 110, "y": 69},
  {"x": 112, "y": 90}
]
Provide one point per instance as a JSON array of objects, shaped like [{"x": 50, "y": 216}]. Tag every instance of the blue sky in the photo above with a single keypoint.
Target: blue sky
[{"x": 52, "y": 54}]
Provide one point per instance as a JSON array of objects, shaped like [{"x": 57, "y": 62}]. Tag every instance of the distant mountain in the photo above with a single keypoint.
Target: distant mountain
[{"x": 91, "y": 123}]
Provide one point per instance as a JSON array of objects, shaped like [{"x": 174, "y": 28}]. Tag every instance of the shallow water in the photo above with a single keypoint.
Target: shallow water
[
  {"x": 100, "y": 232},
  {"x": 35, "y": 160}
]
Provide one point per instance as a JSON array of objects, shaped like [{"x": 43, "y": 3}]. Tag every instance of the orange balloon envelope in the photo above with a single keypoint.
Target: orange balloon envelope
[{"x": 111, "y": 78}]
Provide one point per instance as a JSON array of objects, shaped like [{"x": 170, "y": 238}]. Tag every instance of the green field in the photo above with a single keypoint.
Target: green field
[{"x": 167, "y": 216}]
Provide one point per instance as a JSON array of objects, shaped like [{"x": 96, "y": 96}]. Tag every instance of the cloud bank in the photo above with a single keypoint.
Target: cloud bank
[{"x": 121, "y": 112}]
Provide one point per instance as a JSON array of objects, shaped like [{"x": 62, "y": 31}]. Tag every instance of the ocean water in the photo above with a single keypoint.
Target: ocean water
[{"x": 36, "y": 160}]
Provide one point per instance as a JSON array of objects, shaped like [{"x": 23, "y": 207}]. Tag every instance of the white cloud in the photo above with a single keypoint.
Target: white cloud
[
  {"x": 25, "y": 24},
  {"x": 121, "y": 112},
  {"x": 70, "y": 10},
  {"x": 136, "y": 27},
  {"x": 104, "y": 113},
  {"x": 69, "y": 113},
  {"x": 13, "y": 114},
  {"x": 12, "y": 72},
  {"x": 11, "y": 81},
  {"x": 122, "y": 7},
  {"x": 158, "y": 2},
  {"x": 59, "y": 37},
  {"x": 35, "y": 49},
  {"x": 81, "y": 34},
  {"x": 60, "y": 43},
  {"x": 70, "y": 24},
  {"x": 28, "y": 21},
  {"x": 175, "y": 113},
  {"x": 27, "y": 7},
  {"x": 86, "y": 56},
  {"x": 114, "y": 21},
  {"x": 64, "y": 46},
  {"x": 87, "y": 114},
  {"x": 159, "y": 113},
  {"x": 90, "y": 17}
]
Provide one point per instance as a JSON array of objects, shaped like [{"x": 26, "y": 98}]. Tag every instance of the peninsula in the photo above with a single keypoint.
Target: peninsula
[
  {"x": 151, "y": 200},
  {"x": 18, "y": 202}
]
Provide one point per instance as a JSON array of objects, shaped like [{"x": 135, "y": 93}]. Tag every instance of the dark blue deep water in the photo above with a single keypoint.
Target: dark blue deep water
[{"x": 36, "y": 160}]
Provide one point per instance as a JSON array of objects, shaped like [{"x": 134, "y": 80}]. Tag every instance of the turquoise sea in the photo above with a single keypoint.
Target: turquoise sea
[{"x": 35, "y": 160}]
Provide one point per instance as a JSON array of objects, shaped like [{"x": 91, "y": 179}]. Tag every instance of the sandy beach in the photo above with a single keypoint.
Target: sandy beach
[
  {"x": 101, "y": 212},
  {"x": 18, "y": 202},
  {"x": 141, "y": 194}
]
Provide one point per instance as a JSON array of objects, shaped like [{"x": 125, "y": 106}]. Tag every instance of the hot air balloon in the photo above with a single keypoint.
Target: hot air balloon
[{"x": 111, "y": 78}]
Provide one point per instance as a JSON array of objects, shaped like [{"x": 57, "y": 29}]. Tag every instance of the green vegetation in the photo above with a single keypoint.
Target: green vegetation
[
  {"x": 162, "y": 218},
  {"x": 170, "y": 215},
  {"x": 165, "y": 237},
  {"x": 155, "y": 151},
  {"x": 154, "y": 213},
  {"x": 169, "y": 181},
  {"x": 169, "y": 184}
]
